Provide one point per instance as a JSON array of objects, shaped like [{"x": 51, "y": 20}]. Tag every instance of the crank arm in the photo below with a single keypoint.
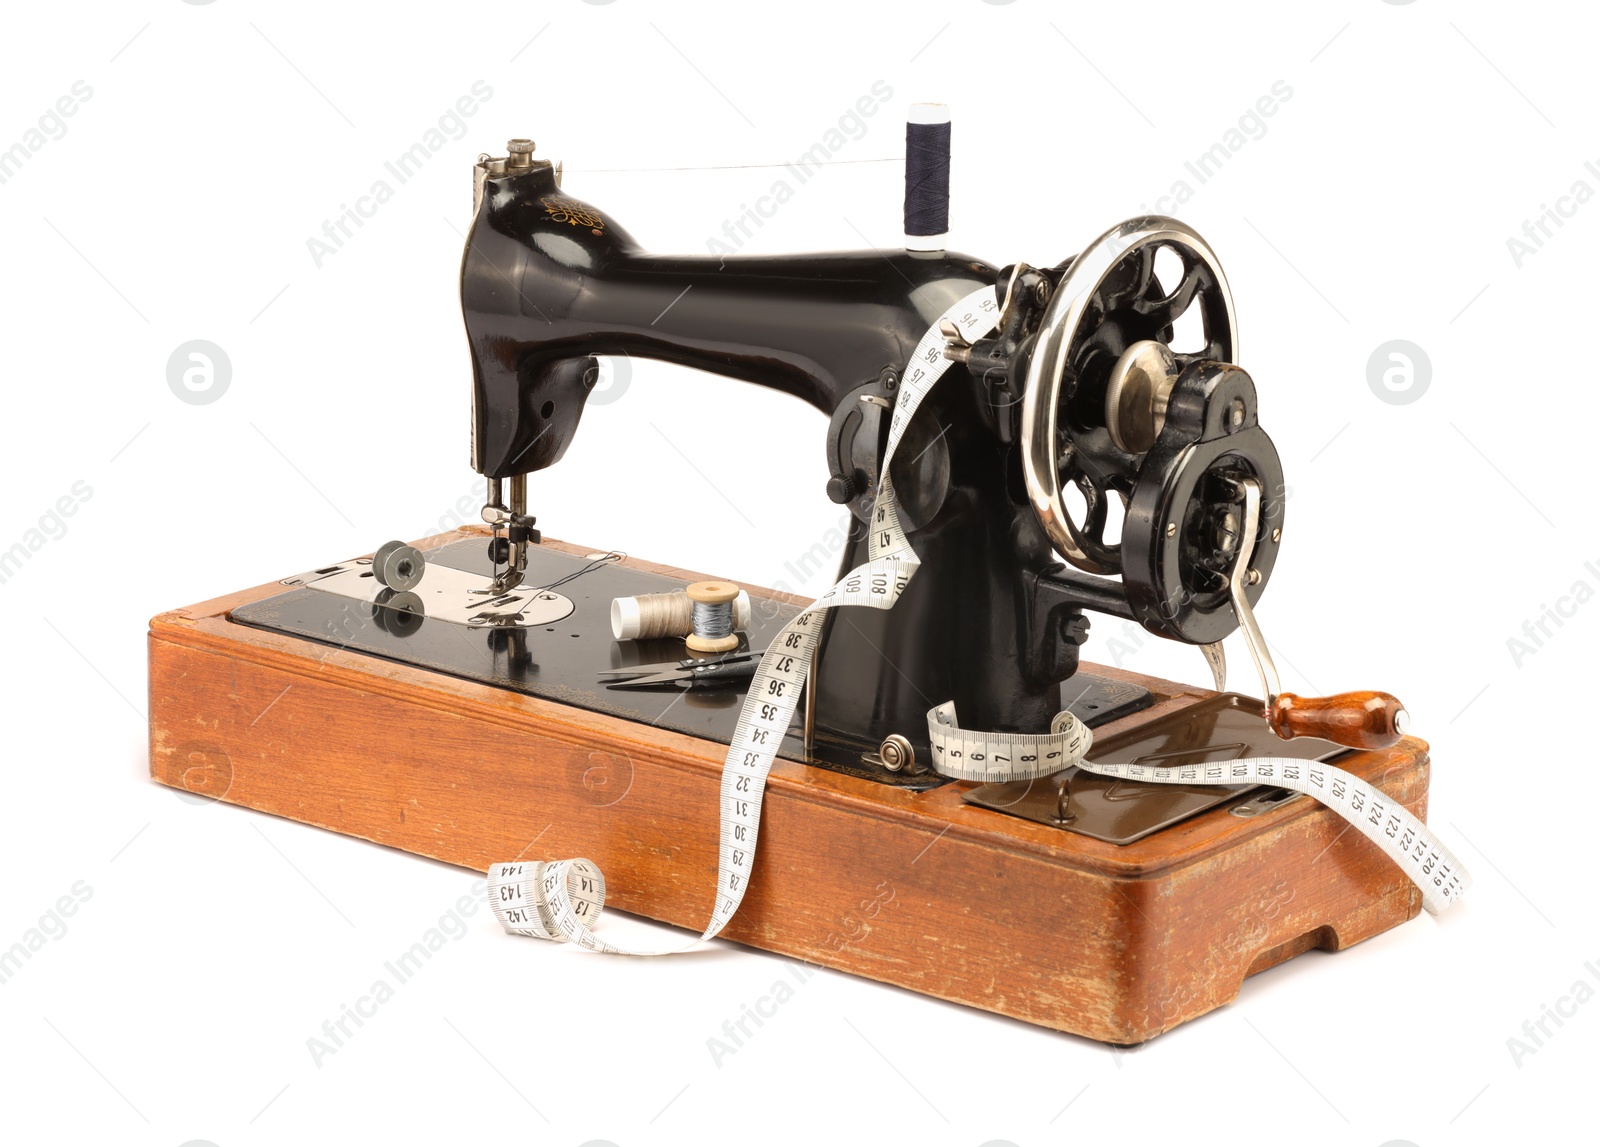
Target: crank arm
[{"x": 1361, "y": 720}]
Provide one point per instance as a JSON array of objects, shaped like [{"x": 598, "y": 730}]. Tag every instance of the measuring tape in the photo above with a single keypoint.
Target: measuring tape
[
  {"x": 1431, "y": 866},
  {"x": 560, "y": 900}
]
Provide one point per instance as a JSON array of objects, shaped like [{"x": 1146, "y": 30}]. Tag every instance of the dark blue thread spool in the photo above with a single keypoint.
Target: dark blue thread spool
[{"x": 927, "y": 209}]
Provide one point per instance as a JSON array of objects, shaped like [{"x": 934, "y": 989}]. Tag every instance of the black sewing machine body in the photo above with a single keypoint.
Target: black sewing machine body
[
  {"x": 548, "y": 282},
  {"x": 994, "y": 619}
]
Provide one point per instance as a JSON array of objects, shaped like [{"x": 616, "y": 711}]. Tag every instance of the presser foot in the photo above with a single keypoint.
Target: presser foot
[{"x": 512, "y": 528}]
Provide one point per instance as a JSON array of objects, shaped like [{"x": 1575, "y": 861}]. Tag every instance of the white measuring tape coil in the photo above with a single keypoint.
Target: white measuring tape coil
[{"x": 560, "y": 900}]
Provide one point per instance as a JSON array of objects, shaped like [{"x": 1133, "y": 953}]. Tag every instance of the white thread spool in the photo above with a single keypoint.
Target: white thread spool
[{"x": 666, "y": 615}]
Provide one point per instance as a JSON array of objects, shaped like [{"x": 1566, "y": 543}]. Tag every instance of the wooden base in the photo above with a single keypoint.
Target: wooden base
[{"x": 917, "y": 889}]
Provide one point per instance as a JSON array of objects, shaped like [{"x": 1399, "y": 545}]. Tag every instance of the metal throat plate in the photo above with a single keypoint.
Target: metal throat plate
[
  {"x": 1222, "y": 728},
  {"x": 444, "y": 592}
]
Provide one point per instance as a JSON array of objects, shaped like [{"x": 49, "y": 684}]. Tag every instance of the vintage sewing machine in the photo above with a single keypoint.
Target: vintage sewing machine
[{"x": 453, "y": 699}]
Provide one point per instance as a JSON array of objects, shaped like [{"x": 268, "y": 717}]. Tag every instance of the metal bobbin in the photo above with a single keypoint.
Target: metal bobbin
[
  {"x": 398, "y": 566},
  {"x": 712, "y": 617}
]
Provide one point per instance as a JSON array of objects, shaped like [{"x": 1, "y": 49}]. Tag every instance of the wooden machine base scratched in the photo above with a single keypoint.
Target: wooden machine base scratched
[{"x": 1117, "y": 943}]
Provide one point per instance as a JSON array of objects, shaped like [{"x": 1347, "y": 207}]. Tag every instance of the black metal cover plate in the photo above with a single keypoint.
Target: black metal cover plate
[
  {"x": 1097, "y": 700},
  {"x": 559, "y": 662},
  {"x": 562, "y": 661}
]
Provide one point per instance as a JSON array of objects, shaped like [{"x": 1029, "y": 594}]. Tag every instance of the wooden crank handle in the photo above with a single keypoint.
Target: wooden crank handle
[{"x": 1361, "y": 720}]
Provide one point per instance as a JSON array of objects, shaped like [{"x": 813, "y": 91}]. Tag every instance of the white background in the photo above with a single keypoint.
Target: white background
[{"x": 1421, "y": 537}]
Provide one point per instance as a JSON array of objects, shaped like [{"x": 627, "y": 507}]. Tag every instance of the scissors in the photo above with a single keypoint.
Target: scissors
[{"x": 687, "y": 674}]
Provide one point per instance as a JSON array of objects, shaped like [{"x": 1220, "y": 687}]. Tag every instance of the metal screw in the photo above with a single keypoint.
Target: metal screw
[
  {"x": 1172, "y": 529},
  {"x": 896, "y": 753},
  {"x": 1064, "y": 813},
  {"x": 1227, "y": 532},
  {"x": 1276, "y": 534},
  {"x": 1253, "y": 578},
  {"x": 519, "y": 153}
]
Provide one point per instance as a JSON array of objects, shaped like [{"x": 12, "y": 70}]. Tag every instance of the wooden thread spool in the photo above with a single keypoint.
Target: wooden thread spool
[{"x": 712, "y": 616}]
